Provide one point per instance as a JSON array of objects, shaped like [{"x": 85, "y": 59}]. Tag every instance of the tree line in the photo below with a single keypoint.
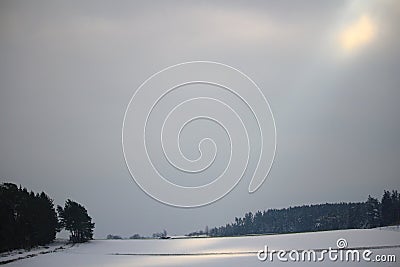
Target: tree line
[
  {"x": 307, "y": 218},
  {"x": 159, "y": 235},
  {"x": 28, "y": 219}
]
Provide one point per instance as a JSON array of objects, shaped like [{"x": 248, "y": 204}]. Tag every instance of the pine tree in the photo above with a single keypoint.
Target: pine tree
[
  {"x": 46, "y": 219},
  {"x": 74, "y": 218},
  {"x": 396, "y": 207},
  {"x": 27, "y": 219},
  {"x": 373, "y": 213},
  {"x": 387, "y": 217}
]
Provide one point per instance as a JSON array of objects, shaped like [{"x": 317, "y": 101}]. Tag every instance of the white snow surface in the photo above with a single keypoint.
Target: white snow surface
[{"x": 222, "y": 251}]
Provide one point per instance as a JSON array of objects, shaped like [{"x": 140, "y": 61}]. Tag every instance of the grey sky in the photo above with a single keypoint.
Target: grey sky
[{"x": 330, "y": 71}]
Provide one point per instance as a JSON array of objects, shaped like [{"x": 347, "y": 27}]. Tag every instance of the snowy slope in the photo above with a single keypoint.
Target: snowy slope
[{"x": 229, "y": 251}]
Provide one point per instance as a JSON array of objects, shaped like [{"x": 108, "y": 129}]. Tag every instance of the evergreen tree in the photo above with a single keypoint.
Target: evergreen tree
[
  {"x": 373, "y": 213},
  {"x": 395, "y": 207},
  {"x": 387, "y": 209},
  {"x": 8, "y": 199},
  {"x": 46, "y": 219},
  {"x": 321, "y": 217},
  {"x": 74, "y": 218},
  {"x": 27, "y": 219}
]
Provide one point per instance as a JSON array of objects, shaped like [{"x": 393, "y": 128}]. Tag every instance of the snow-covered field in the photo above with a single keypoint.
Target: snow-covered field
[
  {"x": 229, "y": 251},
  {"x": 18, "y": 254}
]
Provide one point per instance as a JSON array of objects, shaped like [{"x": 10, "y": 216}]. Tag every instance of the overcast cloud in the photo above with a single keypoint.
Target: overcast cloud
[{"x": 330, "y": 70}]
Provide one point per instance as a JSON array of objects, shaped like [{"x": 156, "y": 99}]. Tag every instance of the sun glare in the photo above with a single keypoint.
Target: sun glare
[{"x": 357, "y": 34}]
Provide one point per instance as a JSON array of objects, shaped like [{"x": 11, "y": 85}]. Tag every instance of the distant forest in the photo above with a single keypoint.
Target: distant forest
[
  {"x": 28, "y": 219},
  {"x": 308, "y": 218}
]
